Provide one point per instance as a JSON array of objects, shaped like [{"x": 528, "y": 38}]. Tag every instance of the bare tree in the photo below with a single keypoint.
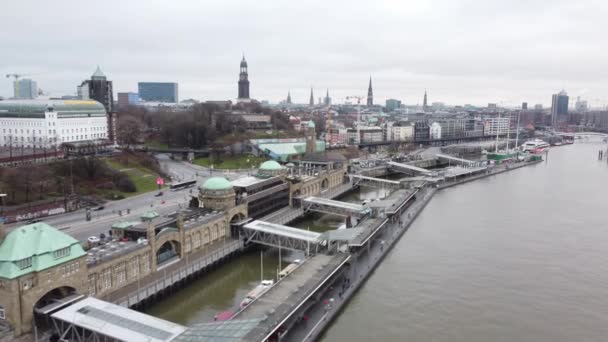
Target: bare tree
[{"x": 130, "y": 130}]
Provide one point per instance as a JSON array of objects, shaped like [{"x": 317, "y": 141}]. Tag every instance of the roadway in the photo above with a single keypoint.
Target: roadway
[{"x": 75, "y": 223}]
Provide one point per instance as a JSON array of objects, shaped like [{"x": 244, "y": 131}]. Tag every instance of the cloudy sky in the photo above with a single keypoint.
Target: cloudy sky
[{"x": 462, "y": 51}]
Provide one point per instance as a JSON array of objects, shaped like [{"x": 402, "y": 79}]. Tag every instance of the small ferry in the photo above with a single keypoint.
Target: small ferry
[
  {"x": 535, "y": 146},
  {"x": 256, "y": 292}
]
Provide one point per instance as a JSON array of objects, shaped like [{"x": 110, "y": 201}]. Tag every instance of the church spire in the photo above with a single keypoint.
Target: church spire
[
  {"x": 289, "y": 97},
  {"x": 243, "y": 80},
  {"x": 327, "y": 98},
  {"x": 312, "y": 98},
  {"x": 370, "y": 93},
  {"x": 424, "y": 102}
]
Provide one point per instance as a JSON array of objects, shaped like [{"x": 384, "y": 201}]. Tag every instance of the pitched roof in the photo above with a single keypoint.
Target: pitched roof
[
  {"x": 98, "y": 73},
  {"x": 37, "y": 241}
]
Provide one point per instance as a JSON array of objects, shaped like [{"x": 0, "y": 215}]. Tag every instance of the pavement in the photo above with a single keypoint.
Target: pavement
[{"x": 75, "y": 223}]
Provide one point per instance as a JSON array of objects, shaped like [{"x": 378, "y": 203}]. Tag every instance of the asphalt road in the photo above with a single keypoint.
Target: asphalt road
[{"x": 75, "y": 223}]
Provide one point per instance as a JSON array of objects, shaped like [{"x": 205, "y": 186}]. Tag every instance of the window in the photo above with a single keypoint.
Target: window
[
  {"x": 2, "y": 313},
  {"x": 106, "y": 279},
  {"x": 60, "y": 253},
  {"x": 121, "y": 273},
  {"x": 24, "y": 263}
]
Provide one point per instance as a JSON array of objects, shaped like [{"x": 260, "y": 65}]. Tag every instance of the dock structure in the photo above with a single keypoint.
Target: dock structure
[
  {"x": 407, "y": 168},
  {"x": 456, "y": 160},
  {"x": 276, "y": 235},
  {"x": 375, "y": 182},
  {"x": 328, "y": 206}
]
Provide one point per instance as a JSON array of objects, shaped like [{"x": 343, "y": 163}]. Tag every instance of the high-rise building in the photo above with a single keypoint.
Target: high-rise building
[
  {"x": 559, "y": 108},
  {"x": 158, "y": 91},
  {"x": 370, "y": 93},
  {"x": 524, "y": 105},
  {"x": 311, "y": 138},
  {"x": 243, "y": 81},
  {"x": 127, "y": 99},
  {"x": 392, "y": 104},
  {"x": 580, "y": 105},
  {"x": 98, "y": 88},
  {"x": 25, "y": 89}
]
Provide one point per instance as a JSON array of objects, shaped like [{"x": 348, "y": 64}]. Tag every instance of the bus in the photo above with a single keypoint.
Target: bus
[{"x": 182, "y": 185}]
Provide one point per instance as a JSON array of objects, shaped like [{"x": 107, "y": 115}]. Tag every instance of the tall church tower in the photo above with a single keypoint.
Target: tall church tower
[
  {"x": 311, "y": 138},
  {"x": 311, "y": 102},
  {"x": 243, "y": 81},
  {"x": 370, "y": 93},
  {"x": 424, "y": 102},
  {"x": 288, "y": 97}
]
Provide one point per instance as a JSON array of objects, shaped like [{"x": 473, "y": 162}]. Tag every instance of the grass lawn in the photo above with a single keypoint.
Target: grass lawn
[
  {"x": 243, "y": 161},
  {"x": 143, "y": 178}
]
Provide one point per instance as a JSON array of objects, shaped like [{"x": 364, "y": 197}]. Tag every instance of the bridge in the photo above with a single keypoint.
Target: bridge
[
  {"x": 328, "y": 206},
  {"x": 407, "y": 168},
  {"x": 456, "y": 160},
  {"x": 375, "y": 182},
  {"x": 280, "y": 236}
]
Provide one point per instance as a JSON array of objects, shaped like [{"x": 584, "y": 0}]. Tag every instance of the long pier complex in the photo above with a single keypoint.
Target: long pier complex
[{"x": 91, "y": 295}]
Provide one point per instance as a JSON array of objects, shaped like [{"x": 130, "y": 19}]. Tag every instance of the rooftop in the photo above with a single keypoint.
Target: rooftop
[
  {"x": 117, "y": 322},
  {"x": 63, "y": 108},
  {"x": 217, "y": 183},
  {"x": 271, "y": 165},
  {"x": 31, "y": 248},
  {"x": 111, "y": 250}
]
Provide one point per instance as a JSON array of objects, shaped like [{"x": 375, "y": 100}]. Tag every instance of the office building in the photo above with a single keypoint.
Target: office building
[
  {"x": 421, "y": 131},
  {"x": 580, "y": 105},
  {"x": 493, "y": 126},
  {"x": 392, "y": 104},
  {"x": 49, "y": 123},
  {"x": 158, "y": 92},
  {"x": 435, "y": 131},
  {"x": 127, "y": 99},
  {"x": 25, "y": 89},
  {"x": 559, "y": 108},
  {"x": 524, "y": 105},
  {"x": 98, "y": 88}
]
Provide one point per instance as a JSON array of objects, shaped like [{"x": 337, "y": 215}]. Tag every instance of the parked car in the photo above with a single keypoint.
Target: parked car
[
  {"x": 93, "y": 240},
  {"x": 101, "y": 207}
]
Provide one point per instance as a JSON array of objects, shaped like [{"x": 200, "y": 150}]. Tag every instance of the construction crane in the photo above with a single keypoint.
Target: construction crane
[{"x": 16, "y": 76}]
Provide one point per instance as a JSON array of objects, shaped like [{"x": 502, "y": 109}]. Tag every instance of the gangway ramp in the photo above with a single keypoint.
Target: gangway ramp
[
  {"x": 328, "y": 206},
  {"x": 276, "y": 235},
  {"x": 456, "y": 160},
  {"x": 375, "y": 182},
  {"x": 407, "y": 168}
]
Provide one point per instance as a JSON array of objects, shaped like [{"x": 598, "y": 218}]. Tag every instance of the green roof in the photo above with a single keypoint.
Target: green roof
[
  {"x": 98, "y": 74},
  {"x": 150, "y": 215},
  {"x": 125, "y": 224},
  {"x": 37, "y": 241},
  {"x": 283, "y": 150},
  {"x": 311, "y": 124},
  {"x": 270, "y": 165},
  {"x": 217, "y": 183}
]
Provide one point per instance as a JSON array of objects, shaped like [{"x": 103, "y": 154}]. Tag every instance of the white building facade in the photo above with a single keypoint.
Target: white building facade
[
  {"x": 401, "y": 133},
  {"x": 49, "y": 123},
  {"x": 493, "y": 126},
  {"x": 435, "y": 131}
]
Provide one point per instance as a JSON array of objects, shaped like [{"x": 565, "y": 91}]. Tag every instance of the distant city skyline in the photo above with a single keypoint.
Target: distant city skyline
[{"x": 520, "y": 56}]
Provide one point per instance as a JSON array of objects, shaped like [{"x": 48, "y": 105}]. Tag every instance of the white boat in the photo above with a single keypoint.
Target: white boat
[{"x": 535, "y": 146}]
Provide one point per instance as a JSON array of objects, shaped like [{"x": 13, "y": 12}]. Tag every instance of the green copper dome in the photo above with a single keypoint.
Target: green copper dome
[
  {"x": 270, "y": 165},
  {"x": 34, "y": 248},
  {"x": 217, "y": 183}
]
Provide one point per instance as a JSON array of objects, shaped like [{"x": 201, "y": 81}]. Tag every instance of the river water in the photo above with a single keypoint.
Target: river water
[
  {"x": 519, "y": 256},
  {"x": 516, "y": 257}
]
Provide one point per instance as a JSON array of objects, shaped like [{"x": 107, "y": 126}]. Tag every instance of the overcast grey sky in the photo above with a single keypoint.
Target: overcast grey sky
[{"x": 462, "y": 51}]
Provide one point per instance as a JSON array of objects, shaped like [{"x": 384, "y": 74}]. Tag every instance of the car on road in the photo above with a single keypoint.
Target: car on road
[
  {"x": 101, "y": 207},
  {"x": 32, "y": 221},
  {"x": 93, "y": 240}
]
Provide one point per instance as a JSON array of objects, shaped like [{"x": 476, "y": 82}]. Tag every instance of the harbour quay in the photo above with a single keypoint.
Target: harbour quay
[{"x": 156, "y": 255}]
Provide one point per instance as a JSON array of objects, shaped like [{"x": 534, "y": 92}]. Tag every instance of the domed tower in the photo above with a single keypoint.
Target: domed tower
[
  {"x": 311, "y": 138},
  {"x": 271, "y": 168},
  {"x": 217, "y": 193}
]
